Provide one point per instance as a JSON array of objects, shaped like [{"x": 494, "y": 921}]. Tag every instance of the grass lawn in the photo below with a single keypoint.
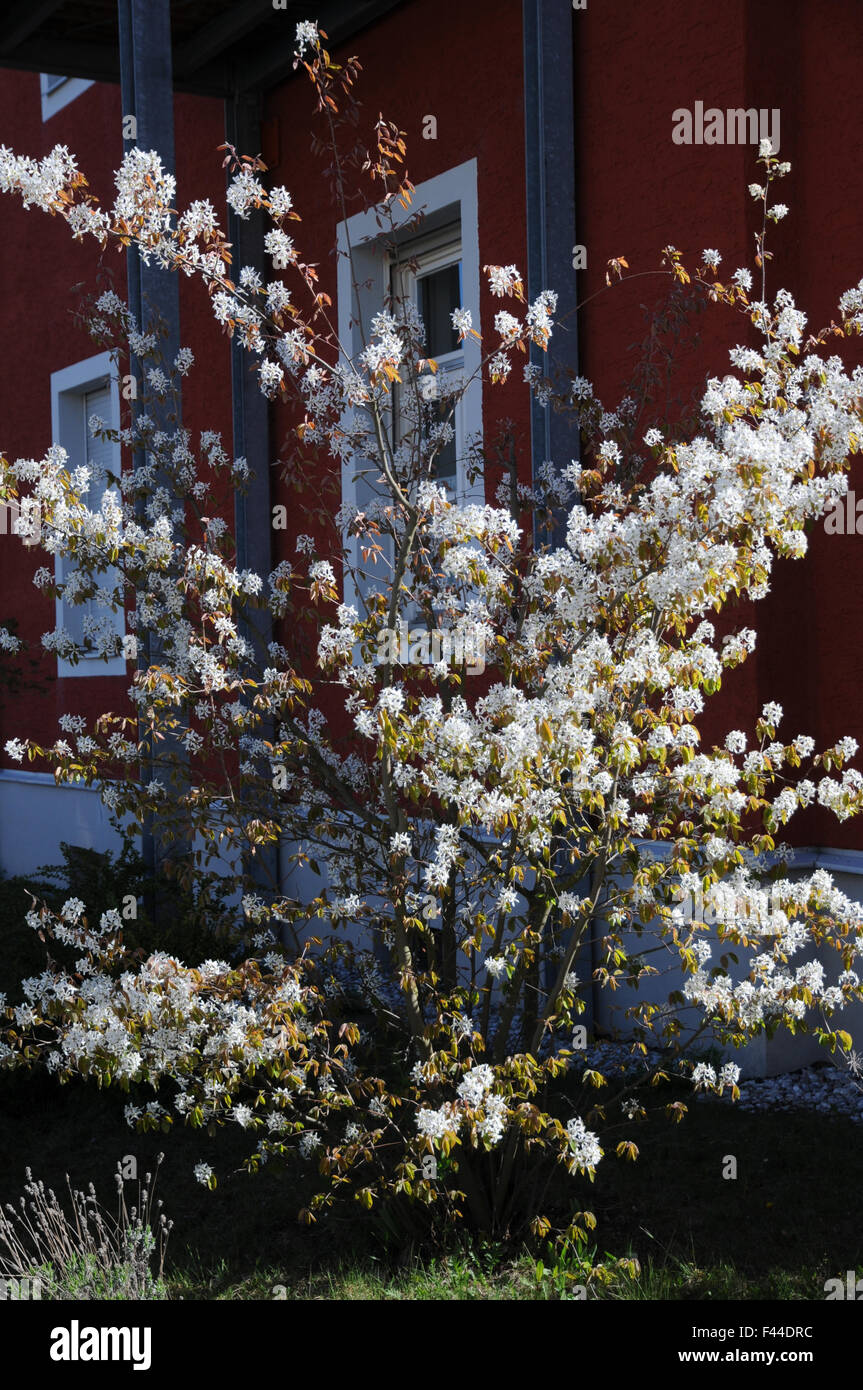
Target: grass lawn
[{"x": 791, "y": 1219}]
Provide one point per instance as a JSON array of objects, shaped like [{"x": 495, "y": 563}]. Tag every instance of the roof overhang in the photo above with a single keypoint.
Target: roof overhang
[{"x": 219, "y": 47}]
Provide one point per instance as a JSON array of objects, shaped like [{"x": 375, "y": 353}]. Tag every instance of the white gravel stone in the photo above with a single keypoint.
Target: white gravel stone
[{"x": 821, "y": 1087}]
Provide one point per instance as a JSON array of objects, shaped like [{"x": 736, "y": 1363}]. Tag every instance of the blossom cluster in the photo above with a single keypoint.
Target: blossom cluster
[{"x": 475, "y": 839}]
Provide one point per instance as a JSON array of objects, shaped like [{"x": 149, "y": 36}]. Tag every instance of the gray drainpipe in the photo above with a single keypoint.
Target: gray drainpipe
[
  {"x": 551, "y": 216},
  {"x": 147, "y": 88},
  {"x": 251, "y": 435},
  {"x": 551, "y": 238}
]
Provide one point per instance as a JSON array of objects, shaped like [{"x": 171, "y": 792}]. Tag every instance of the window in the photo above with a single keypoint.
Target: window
[
  {"x": 430, "y": 275},
  {"x": 438, "y": 268},
  {"x": 58, "y": 91},
  {"x": 78, "y": 393}
]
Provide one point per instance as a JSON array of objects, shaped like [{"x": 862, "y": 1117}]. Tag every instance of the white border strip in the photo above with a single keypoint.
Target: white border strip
[{"x": 55, "y": 100}]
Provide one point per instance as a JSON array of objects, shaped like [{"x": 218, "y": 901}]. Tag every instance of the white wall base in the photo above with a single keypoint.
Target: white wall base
[
  {"x": 36, "y": 814},
  {"x": 763, "y": 1056}
]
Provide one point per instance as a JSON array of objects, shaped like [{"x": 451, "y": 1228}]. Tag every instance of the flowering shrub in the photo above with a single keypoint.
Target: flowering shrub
[{"x": 412, "y": 1032}]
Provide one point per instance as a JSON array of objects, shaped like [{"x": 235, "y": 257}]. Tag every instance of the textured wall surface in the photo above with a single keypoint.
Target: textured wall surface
[{"x": 44, "y": 274}]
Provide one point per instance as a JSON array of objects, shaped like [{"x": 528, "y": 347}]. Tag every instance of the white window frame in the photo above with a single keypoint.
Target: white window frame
[
  {"x": 68, "y": 388},
  {"x": 431, "y": 253},
  {"x": 452, "y": 197},
  {"x": 54, "y": 99}
]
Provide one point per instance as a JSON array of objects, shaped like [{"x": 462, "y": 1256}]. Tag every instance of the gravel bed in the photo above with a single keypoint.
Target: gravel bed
[{"x": 820, "y": 1087}]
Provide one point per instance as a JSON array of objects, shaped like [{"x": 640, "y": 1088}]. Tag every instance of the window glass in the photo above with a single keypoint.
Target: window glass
[
  {"x": 439, "y": 294},
  {"x": 99, "y": 456},
  {"x": 431, "y": 275}
]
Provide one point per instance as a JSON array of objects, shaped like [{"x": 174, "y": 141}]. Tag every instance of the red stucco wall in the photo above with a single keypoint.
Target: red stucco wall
[
  {"x": 44, "y": 273},
  {"x": 638, "y": 191}
]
